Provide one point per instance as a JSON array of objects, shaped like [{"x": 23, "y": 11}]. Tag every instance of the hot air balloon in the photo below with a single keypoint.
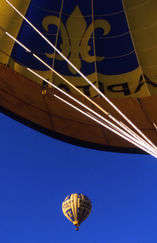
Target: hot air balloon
[
  {"x": 76, "y": 208},
  {"x": 66, "y": 67}
]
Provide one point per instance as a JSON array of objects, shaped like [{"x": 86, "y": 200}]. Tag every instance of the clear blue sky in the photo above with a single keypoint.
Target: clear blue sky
[{"x": 37, "y": 172}]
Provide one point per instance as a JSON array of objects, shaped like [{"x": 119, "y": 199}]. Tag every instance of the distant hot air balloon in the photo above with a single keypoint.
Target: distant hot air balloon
[
  {"x": 112, "y": 43},
  {"x": 76, "y": 208}
]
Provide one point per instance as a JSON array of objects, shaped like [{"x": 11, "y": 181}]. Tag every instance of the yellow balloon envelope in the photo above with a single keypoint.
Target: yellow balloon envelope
[
  {"x": 112, "y": 43},
  {"x": 76, "y": 208}
]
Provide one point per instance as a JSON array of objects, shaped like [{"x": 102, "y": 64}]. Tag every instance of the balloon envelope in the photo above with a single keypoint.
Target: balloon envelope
[{"x": 112, "y": 43}]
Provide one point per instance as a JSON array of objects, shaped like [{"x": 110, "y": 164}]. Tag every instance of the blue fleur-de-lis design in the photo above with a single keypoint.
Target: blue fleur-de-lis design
[{"x": 75, "y": 37}]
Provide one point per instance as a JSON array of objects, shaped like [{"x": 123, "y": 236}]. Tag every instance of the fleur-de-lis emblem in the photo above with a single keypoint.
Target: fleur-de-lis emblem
[{"x": 75, "y": 37}]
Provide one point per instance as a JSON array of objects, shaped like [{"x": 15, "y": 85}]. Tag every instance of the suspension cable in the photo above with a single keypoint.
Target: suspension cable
[{"x": 83, "y": 76}]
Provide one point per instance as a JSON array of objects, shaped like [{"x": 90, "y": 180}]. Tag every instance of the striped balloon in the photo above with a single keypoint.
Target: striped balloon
[{"x": 76, "y": 208}]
